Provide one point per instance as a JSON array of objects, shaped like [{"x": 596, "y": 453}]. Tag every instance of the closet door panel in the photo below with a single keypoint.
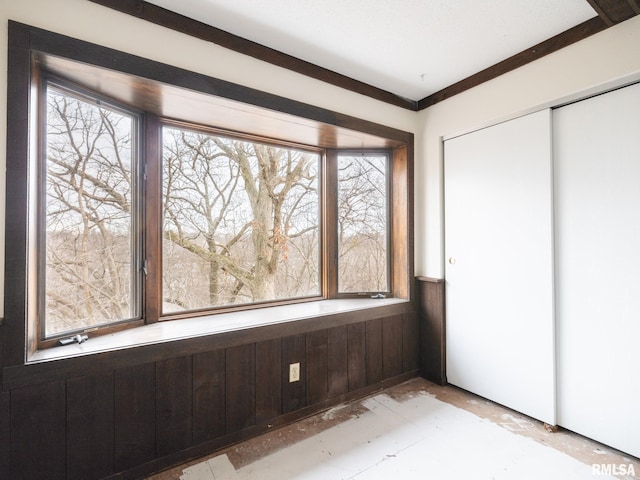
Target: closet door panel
[
  {"x": 499, "y": 264},
  {"x": 597, "y": 192}
]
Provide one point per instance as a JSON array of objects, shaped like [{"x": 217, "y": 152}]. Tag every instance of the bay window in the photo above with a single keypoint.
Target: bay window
[
  {"x": 241, "y": 218},
  {"x": 139, "y": 192}
]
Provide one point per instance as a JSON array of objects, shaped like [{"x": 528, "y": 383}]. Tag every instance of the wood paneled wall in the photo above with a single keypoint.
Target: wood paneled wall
[
  {"x": 431, "y": 310},
  {"x": 130, "y": 421}
]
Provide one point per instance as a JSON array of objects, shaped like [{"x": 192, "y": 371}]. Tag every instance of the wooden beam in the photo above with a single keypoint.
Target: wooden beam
[
  {"x": 615, "y": 11},
  {"x": 166, "y": 18},
  {"x": 575, "y": 34},
  {"x": 609, "y": 13},
  {"x": 601, "y": 13}
]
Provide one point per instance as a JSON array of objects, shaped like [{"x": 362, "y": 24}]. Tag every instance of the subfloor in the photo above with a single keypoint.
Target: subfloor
[{"x": 416, "y": 430}]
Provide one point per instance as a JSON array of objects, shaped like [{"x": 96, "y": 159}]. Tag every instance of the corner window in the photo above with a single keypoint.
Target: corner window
[{"x": 363, "y": 222}]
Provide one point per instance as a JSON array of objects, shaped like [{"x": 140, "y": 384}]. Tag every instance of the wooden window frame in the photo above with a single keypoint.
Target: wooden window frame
[
  {"x": 32, "y": 50},
  {"x": 389, "y": 221},
  {"x": 38, "y": 157},
  {"x": 154, "y": 244}
]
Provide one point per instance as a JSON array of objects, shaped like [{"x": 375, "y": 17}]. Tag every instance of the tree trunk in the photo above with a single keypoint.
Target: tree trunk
[
  {"x": 214, "y": 274},
  {"x": 264, "y": 274}
]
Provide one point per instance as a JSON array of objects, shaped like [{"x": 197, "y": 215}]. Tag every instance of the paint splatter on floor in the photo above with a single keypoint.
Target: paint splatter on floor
[{"x": 414, "y": 430}]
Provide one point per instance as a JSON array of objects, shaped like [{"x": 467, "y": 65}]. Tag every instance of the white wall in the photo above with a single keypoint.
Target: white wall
[
  {"x": 609, "y": 58},
  {"x": 93, "y": 23}
]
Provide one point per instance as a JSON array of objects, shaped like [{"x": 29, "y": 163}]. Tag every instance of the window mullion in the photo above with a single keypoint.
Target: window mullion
[
  {"x": 152, "y": 224},
  {"x": 330, "y": 225}
]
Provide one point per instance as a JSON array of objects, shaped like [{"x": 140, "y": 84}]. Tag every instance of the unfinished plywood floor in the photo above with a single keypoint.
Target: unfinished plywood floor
[{"x": 416, "y": 430}]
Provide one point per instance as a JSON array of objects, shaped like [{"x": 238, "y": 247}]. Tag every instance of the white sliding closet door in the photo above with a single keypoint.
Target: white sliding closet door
[
  {"x": 597, "y": 189},
  {"x": 499, "y": 264}
]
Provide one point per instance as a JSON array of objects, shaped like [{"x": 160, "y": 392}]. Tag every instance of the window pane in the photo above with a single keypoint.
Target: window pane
[
  {"x": 90, "y": 277},
  {"x": 362, "y": 224},
  {"x": 241, "y": 222}
]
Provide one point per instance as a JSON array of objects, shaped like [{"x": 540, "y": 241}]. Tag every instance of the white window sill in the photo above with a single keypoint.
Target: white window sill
[{"x": 173, "y": 330}]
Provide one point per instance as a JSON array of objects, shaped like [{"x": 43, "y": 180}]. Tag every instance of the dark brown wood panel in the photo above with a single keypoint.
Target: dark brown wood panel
[
  {"x": 330, "y": 225},
  {"x": 209, "y": 394},
  {"x": 152, "y": 195},
  {"x": 135, "y": 416},
  {"x": 122, "y": 415},
  {"x": 374, "y": 351},
  {"x": 410, "y": 342},
  {"x": 5, "y": 434},
  {"x": 1, "y": 351},
  {"x": 90, "y": 424},
  {"x": 268, "y": 380},
  {"x": 294, "y": 394},
  {"x": 38, "y": 432},
  {"x": 317, "y": 371},
  {"x": 356, "y": 354},
  {"x": 241, "y": 387},
  {"x": 23, "y": 375},
  {"x": 16, "y": 194},
  {"x": 391, "y": 346},
  {"x": 337, "y": 353},
  {"x": 174, "y": 393},
  {"x": 431, "y": 299}
]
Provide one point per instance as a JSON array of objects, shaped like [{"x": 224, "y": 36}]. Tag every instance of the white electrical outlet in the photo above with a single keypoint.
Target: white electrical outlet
[{"x": 294, "y": 372}]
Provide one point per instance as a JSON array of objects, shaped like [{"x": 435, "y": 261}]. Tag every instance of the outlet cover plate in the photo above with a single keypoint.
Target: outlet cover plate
[{"x": 294, "y": 372}]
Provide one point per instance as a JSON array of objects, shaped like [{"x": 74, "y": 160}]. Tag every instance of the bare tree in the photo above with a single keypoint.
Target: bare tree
[
  {"x": 279, "y": 184},
  {"x": 200, "y": 186},
  {"x": 237, "y": 206},
  {"x": 362, "y": 223},
  {"x": 240, "y": 218},
  {"x": 88, "y": 214}
]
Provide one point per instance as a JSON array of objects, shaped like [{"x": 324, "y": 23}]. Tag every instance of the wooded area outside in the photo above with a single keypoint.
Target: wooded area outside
[{"x": 241, "y": 218}]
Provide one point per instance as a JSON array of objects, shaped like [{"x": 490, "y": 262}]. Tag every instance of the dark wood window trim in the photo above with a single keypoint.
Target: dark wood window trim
[
  {"x": 610, "y": 12},
  {"x": 43, "y": 82},
  {"x": 86, "y": 64}
]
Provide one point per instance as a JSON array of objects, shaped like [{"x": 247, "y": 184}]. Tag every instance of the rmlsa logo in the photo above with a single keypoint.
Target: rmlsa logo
[{"x": 613, "y": 469}]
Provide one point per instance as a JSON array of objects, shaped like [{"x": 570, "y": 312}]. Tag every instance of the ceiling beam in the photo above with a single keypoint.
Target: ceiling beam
[
  {"x": 575, "y": 34},
  {"x": 166, "y": 18},
  {"x": 635, "y": 6},
  {"x": 615, "y": 11},
  {"x": 610, "y": 12},
  {"x": 601, "y": 13}
]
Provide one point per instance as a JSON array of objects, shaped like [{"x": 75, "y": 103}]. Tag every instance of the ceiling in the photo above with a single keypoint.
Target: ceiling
[
  {"x": 410, "y": 53},
  {"x": 412, "y": 48}
]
